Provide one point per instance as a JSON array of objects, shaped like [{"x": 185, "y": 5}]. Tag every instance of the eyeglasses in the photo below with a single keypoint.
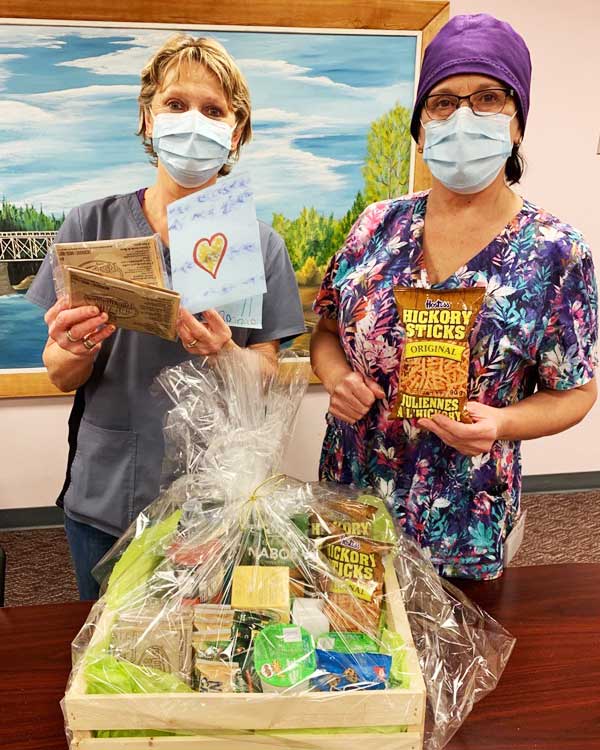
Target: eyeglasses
[{"x": 485, "y": 102}]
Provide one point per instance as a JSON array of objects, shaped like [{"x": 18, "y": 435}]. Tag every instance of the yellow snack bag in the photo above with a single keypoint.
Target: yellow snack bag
[{"x": 434, "y": 367}]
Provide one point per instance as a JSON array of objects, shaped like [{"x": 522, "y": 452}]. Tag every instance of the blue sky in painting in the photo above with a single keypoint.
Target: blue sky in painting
[{"x": 68, "y": 112}]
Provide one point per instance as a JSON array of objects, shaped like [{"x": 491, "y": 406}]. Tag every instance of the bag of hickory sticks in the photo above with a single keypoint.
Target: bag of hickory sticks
[{"x": 434, "y": 366}]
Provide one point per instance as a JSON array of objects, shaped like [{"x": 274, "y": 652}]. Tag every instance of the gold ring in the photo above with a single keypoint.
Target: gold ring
[
  {"x": 88, "y": 343},
  {"x": 192, "y": 343},
  {"x": 70, "y": 337}
]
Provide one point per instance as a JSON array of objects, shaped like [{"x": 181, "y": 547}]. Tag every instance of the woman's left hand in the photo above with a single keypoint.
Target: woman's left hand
[
  {"x": 204, "y": 338},
  {"x": 469, "y": 439}
]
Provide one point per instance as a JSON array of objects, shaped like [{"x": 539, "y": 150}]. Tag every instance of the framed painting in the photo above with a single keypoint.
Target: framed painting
[{"x": 332, "y": 87}]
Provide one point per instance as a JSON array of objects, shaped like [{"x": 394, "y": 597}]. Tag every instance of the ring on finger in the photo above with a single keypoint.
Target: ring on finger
[
  {"x": 71, "y": 338},
  {"x": 88, "y": 343},
  {"x": 192, "y": 343}
]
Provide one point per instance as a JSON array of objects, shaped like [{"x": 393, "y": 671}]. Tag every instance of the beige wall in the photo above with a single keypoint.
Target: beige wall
[
  {"x": 563, "y": 172},
  {"x": 563, "y": 176},
  {"x": 33, "y": 450}
]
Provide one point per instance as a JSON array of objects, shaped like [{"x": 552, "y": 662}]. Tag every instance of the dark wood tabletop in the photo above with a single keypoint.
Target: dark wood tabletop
[{"x": 547, "y": 699}]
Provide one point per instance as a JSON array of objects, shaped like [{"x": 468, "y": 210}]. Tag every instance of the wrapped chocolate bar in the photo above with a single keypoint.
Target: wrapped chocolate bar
[{"x": 248, "y": 607}]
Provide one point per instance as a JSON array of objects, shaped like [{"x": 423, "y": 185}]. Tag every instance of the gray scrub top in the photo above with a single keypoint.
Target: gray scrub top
[{"x": 115, "y": 427}]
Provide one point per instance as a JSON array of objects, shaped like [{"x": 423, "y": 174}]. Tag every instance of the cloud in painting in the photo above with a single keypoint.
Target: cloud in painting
[
  {"x": 273, "y": 115},
  {"x": 272, "y": 67},
  {"x": 139, "y": 49},
  {"x": 294, "y": 120},
  {"x": 129, "y": 61},
  {"x": 281, "y": 173},
  {"x": 313, "y": 102},
  {"x": 126, "y": 62},
  {"x": 20, "y": 36},
  {"x": 5, "y": 73},
  {"x": 18, "y": 115},
  {"x": 85, "y": 94},
  {"x": 125, "y": 179},
  {"x": 30, "y": 36},
  {"x": 77, "y": 106},
  {"x": 23, "y": 151},
  {"x": 284, "y": 69}
]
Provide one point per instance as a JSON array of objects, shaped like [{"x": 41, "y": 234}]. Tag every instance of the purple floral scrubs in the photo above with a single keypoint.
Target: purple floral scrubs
[{"x": 537, "y": 327}]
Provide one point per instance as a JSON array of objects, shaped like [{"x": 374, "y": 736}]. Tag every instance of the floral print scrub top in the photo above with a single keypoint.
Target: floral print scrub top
[{"x": 537, "y": 327}]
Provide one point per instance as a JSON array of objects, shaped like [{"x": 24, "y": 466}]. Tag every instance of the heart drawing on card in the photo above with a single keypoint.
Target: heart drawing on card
[{"x": 209, "y": 253}]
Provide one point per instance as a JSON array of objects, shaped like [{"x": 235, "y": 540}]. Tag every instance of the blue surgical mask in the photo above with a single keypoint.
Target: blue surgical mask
[
  {"x": 467, "y": 151},
  {"x": 192, "y": 147}
]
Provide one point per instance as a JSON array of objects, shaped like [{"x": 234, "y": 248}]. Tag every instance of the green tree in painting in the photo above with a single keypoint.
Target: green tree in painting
[
  {"x": 311, "y": 237},
  {"x": 310, "y": 274},
  {"x": 26, "y": 219},
  {"x": 352, "y": 214},
  {"x": 387, "y": 166}
]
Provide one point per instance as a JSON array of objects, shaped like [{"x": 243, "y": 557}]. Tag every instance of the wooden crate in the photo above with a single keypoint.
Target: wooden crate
[{"x": 229, "y": 721}]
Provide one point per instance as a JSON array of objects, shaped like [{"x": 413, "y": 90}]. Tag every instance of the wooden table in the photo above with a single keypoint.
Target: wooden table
[{"x": 548, "y": 698}]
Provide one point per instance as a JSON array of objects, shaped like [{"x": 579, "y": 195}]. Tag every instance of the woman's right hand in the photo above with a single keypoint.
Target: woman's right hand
[
  {"x": 77, "y": 330},
  {"x": 352, "y": 396}
]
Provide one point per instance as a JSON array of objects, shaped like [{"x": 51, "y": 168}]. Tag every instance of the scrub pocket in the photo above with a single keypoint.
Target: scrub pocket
[
  {"x": 103, "y": 476},
  {"x": 468, "y": 531}
]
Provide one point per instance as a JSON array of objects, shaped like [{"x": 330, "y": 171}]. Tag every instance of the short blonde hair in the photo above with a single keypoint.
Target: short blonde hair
[{"x": 180, "y": 50}]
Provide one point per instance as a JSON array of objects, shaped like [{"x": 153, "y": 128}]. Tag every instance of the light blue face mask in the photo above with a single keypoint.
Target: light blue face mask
[
  {"x": 192, "y": 147},
  {"x": 467, "y": 151}
]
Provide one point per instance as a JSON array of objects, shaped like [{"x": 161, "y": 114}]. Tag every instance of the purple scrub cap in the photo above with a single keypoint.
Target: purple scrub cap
[{"x": 475, "y": 44}]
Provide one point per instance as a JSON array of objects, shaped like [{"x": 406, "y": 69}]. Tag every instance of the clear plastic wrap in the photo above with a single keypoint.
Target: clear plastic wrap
[
  {"x": 137, "y": 259},
  {"x": 462, "y": 649},
  {"x": 248, "y": 603},
  {"x": 126, "y": 279}
]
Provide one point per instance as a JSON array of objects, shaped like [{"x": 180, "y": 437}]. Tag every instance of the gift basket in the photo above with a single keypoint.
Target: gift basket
[{"x": 245, "y": 608}]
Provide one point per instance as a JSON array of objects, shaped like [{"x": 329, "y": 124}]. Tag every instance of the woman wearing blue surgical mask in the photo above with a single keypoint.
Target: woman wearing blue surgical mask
[
  {"x": 455, "y": 487},
  {"x": 194, "y": 116}
]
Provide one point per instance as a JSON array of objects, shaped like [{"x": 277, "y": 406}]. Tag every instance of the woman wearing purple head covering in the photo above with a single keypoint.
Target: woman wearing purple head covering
[{"x": 455, "y": 487}]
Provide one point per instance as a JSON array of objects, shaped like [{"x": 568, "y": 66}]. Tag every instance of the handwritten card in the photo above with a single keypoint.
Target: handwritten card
[
  {"x": 246, "y": 313},
  {"x": 216, "y": 258}
]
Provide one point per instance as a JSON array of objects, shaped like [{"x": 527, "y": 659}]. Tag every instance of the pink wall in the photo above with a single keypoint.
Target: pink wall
[
  {"x": 563, "y": 172},
  {"x": 563, "y": 176}
]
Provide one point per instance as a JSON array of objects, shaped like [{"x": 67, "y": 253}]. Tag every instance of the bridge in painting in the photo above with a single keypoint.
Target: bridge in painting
[
  {"x": 17, "y": 247},
  {"x": 20, "y": 246}
]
